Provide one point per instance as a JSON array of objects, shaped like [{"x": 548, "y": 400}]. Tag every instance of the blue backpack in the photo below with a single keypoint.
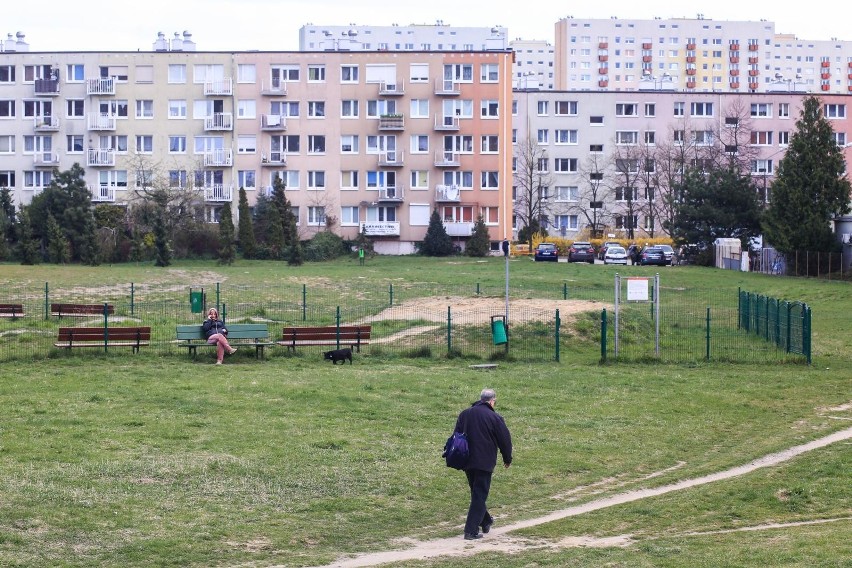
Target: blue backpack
[{"x": 456, "y": 451}]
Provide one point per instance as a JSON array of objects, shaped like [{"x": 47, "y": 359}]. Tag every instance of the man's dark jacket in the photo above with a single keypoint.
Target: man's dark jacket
[{"x": 486, "y": 431}]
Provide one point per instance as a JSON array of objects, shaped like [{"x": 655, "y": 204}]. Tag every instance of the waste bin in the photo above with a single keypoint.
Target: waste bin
[
  {"x": 498, "y": 330},
  {"x": 196, "y": 301}
]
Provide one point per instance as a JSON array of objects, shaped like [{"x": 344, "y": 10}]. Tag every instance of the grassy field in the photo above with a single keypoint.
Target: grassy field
[{"x": 162, "y": 461}]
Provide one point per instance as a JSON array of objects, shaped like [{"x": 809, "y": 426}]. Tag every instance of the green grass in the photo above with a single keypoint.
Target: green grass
[{"x": 161, "y": 461}]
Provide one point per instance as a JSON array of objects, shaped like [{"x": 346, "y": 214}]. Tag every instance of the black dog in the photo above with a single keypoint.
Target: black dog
[{"x": 338, "y": 355}]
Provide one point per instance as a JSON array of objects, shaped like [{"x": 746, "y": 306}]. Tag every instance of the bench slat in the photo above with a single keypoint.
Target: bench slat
[
  {"x": 76, "y": 310},
  {"x": 135, "y": 337},
  {"x": 11, "y": 310},
  {"x": 353, "y": 335}
]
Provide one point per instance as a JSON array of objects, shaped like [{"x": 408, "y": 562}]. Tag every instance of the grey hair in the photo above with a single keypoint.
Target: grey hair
[{"x": 487, "y": 394}]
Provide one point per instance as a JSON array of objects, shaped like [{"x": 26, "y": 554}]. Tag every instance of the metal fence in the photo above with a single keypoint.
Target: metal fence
[
  {"x": 784, "y": 324},
  {"x": 810, "y": 264},
  {"x": 551, "y": 323}
]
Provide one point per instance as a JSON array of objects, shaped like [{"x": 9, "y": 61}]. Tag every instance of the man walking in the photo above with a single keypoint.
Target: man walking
[{"x": 486, "y": 431}]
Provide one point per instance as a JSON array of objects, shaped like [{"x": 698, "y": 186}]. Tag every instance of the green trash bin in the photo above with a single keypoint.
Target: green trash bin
[
  {"x": 498, "y": 330},
  {"x": 196, "y": 301}
]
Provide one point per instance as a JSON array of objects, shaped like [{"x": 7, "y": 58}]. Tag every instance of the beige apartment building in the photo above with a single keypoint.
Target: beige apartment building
[{"x": 368, "y": 141}]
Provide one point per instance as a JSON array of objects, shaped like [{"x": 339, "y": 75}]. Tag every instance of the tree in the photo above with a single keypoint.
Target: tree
[
  {"x": 436, "y": 242},
  {"x": 532, "y": 184},
  {"x": 57, "y": 245},
  {"x": 480, "y": 242},
  {"x": 592, "y": 204},
  {"x": 248, "y": 245},
  {"x": 227, "y": 248},
  {"x": 274, "y": 234},
  {"x": 719, "y": 204},
  {"x": 162, "y": 243},
  {"x": 7, "y": 212},
  {"x": 810, "y": 188},
  {"x": 294, "y": 256},
  {"x": 27, "y": 244}
]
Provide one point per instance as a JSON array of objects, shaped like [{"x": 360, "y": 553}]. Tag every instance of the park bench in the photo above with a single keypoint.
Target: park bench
[
  {"x": 80, "y": 310},
  {"x": 239, "y": 334},
  {"x": 11, "y": 310},
  {"x": 353, "y": 336},
  {"x": 135, "y": 337}
]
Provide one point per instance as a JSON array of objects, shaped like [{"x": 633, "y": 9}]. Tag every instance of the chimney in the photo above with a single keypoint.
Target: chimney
[
  {"x": 21, "y": 44},
  {"x": 9, "y": 44},
  {"x": 188, "y": 44},
  {"x": 177, "y": 43},
  {"x": 161, "y": 44}
]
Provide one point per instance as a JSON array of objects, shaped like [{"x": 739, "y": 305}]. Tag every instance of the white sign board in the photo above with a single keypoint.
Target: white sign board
[{"x": 637, "y": 290}]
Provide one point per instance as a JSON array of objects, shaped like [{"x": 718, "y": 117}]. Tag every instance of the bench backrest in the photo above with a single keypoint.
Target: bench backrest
[
  {"x": 72, "y": 334},
  {"x": 235, "y": 331},
  {"x": 11, "y": 309},
  {"x": 329, "y": 332},
  {"x": 75, "y": 309}
]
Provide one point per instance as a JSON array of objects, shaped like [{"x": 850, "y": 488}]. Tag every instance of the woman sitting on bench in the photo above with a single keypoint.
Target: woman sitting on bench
[{"x": 215, "y": 332}]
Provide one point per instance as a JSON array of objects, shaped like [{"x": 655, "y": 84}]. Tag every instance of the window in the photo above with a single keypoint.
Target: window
[
  {"x": 177, "y": 178},
  {"x": 316, "y": 73},
  {"x": 490, "y": 144},
  {"x": 626, "y": 194},
  {"x": 246, "y": 108},
  {"x": 490, "y": 109},
  {"x": 783, "y": 137},
  {"x": 622, "y": 221},
  {"x": 565, "y": 165},
  {"x": 596, "y": 120},
  {"x": 145, "y": 108},
  {"x": 7, "y": 109},
  {"x": 316, "y": 109},
  {"x": 703, "y": 137},
  {"x": 144, "y": 144},
  {"x": 626, "y": 109},
  {"x": 565, "y": 108},
  {"x": 784, "y": 110},
  {"x": 177, "y": 144},
  {"x": 316, "y": 215},
  {"x": 177, "y": 73},
  {"x": 679, "y": 136},
  {"x": 375, "y": 109},
  {"x": 177, "y": 108},
  {"x": 7, "y": 73},
  {"x": 650, "y": 109},
  {"x": 840, "y": 139},
  {"x": 74, "y": 144},
  {"x": 419, "y": 143},
  {"x": 679, "y": 109},
  {"x": 596, "y": 148},
  {"x": 348, "y": 73},
  {"x": 835, "y": 111},
  {"x": 419, "y": 179},
  {"x": 316, "y": 179},
  {"x": 247, "y": 179},
  {"x": 7, "y": 144},
  {"x": 316, "y": 144},
  {"x": 491, "y": 215},
  {"x": 761, "y": 138},
  {"x": 349, "y": 109},
  {"x": 418, "y": 73},
  {"x": 566, "y": 223},
  {"x": 701, "y": 109},
  {"x": 650, "y": 138},
  {"x": 74, "y": 73},
  {"x": 732, "y": 121},
  {"x": 541, "y": 136},
  {"x": 761, "y": 110},
  {"x": 566, "y": 193},
  {"x": 489, "y": 73},
  {"x": 349, "y": 179},
  {"x": 37, "y": 179},
  {"x": 542, "y": 165},
  {"x": 458, "y": 73},
  {"x": 7, "y": 178},
  {"x": 541, "y": 108},
  {"x": 566, "y": 136},
  {"x": 246, "y": 73},
  {"x": 419, "y": 108},
  {"x": 627, "y": 165},
  {"x": 246, "y": 144},
  {"x": 490, "y": 180},
  {"x": 349, "y": 216},
  {"x": 626, "y": 137},
  {"x": 205, "y": 73}
]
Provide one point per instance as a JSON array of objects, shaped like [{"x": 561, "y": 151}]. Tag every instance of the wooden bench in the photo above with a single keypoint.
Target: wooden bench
[
  {"x": 80, "y": 310},
  {"x": 11, "y": 310},
  {"x": 239, "y": 334},
  {"x": 135, "y": 337},
  {"x": 353, "y": 336}
]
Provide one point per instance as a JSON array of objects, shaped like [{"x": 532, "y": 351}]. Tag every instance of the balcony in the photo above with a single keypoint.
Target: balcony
[
  {"x": 753, "y": 47},
  {"x": 753, "y": 86},
  {"x": 690, "y": 71},
  {"x": 391, "y": 122},
  {"x": 391, "y": 193},
  {"x": 603, "y": 45},
  {"x": 691, "y": 46},
  {"x": 217, "y": 192},
  {"x": 690, "y": 84},
  {"x": 391, "y": 89},
  {"x": 380, "y": 229},
  {"x": 447, "y": 88},
  {"x": 100, "y": 86},
  {"x": 45, "y": 159},
  {"x": 447, "y": 123},
  {"x": 753, "y": 73},
  {"x": 100, "y": 157},
  {"x": 46, "y": 87},
  {"x": 825, "y": 76},
  {"x": 647, "y": 46},
  {"x": 458, "y": 228},
  {"x": 752, "y": 60},
  {"x": 393, "y": 158},
  {"x": 690, "y": 59},
  {"x": 218, "y": 157},
  {"x": 219, "y": 121},
  {"x": 647, "y": 59},
  {"x": 46, "y": 123},
  {"x": 603, "y": 58},
  {"x": 603, "y": 71},
  {"x": 735, "y": 72},
  {"x": 98, "y": 121},
  {"x": 735, "y": 59},
  {"x": 103, "y": 193},
  {"x": 273, "y": 122},
  {"x": 825, "y": 87},
  {"x": 825, "y": 64},
  {"x": 603, "y": 83},
  {"x": 734, "y": 47},
  {"x": 735, "y": 85},
  {"x": 446, "y": 159},
  {"x": 447, "y": 193},
  {"x": 223, "y": 87},
  {"x": 275, "y": 158},
  {"x": 275, "y": 88}
]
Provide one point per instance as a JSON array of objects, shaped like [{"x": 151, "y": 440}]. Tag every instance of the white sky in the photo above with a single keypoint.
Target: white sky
[{"x": 273, "y": 25}]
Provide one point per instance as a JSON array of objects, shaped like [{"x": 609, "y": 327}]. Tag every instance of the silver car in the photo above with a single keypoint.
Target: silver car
[{"x": 615, "y": 254}]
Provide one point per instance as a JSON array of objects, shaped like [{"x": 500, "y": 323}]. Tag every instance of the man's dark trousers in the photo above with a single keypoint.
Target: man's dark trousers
[{"x": 477, "y": 515}]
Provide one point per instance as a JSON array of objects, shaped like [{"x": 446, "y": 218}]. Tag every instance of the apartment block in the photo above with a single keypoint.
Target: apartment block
[{"x": 369, "y": 141}]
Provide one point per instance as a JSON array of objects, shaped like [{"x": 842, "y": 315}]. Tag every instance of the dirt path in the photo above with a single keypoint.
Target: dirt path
[{"x": 499, "y": 540}]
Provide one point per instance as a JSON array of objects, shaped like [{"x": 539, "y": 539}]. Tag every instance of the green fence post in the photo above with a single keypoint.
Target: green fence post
[
  {"x": 337, "y": 331},
  {"x": 707, "y": 347},
  {"x": 603, "y": 334},
  {"x": 131, "y": 298},
  {"x": 564, "y": 290},
  {"x": 806, "y": 332},
  {"x": 449, "y": 330},
  {"x": 766, "y": 320},
  {"x": 739, "y": 306},
  {"x": 217, "y": 300},
  {"x": 789, "y": 324},
  {"x": 224, "y": 312},
  {"x": 777, "y": 322},
  {"x": 477, "y": 288},
  {"x": 106, "y": 325},
  {"x": 304, "y": 302},
  {"x": 558, "y": 322},
  {"x": 390, "y": 293},
  {"x": 46, "y": 302}
]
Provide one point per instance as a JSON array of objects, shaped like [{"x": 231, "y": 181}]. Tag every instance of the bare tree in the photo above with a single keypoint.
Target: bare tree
[
  {"x": 630, "y": 166},
  {"x": 532, "y": 182},
  {"x": 592, "y": 204}
]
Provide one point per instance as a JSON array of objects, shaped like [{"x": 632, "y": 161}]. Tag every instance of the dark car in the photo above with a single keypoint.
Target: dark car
[
  {"x": 546, "y": 251},
  {"x": 581, "y": 251},
  {"x": 653, "y": 255},
  {"x": 668, "y": 251}
]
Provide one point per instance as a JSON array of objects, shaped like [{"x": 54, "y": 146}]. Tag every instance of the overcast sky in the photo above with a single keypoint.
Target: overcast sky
[{"x": 273, "y": 25}]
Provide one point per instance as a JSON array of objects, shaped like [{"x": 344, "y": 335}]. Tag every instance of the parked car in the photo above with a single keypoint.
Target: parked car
[
  {"x": 581, "y": 251},
  {"x": 668, "y": 252},
  {"x": 615, "y": 254},
  {"x": 652, "y": 255},
  {"x": 605, "y": 246},
  {"x": 546, "y": 251}
]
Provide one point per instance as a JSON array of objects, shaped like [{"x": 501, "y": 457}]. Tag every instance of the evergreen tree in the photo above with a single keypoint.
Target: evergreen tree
[
  {"x": 810, "y": 188},
  {"x": 5, "y": 224},
  {"x": 274, "y": 234},
  {"x": 57, "y": 245},
  {"x": 295, "y": 256},
  {"x": 248, "y": 245},
  {"x": 161, "y": 239},
  {"x": 7, "y": 209},
  {"x": 436, "y": 242},
  {"x": 27, "y": 244},
  {"x": 227, "y": 248},
  {"x": 480, "y": 242}
]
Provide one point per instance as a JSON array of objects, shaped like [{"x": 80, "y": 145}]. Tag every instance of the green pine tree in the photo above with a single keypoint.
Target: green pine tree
[
  {"x": 227, "y": 247},
  {"x": 58, "y": 251},
  {"x": 248, "y": 244},
  {"x": 480, "y": 242},
  {"x": 810, "y": 188},
  {"x": 274, "y": 234},
  {"x": 161, "y": 239},
  {"x": 27, "y": 244},
  {"x": 436, "y": 242}
]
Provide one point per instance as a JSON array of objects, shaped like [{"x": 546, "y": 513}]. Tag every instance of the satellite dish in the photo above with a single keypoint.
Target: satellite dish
[{"x": 452, "y": 192}]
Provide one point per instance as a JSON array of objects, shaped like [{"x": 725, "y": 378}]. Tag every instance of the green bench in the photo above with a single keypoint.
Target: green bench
[{"x": 239, "y": 335}]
